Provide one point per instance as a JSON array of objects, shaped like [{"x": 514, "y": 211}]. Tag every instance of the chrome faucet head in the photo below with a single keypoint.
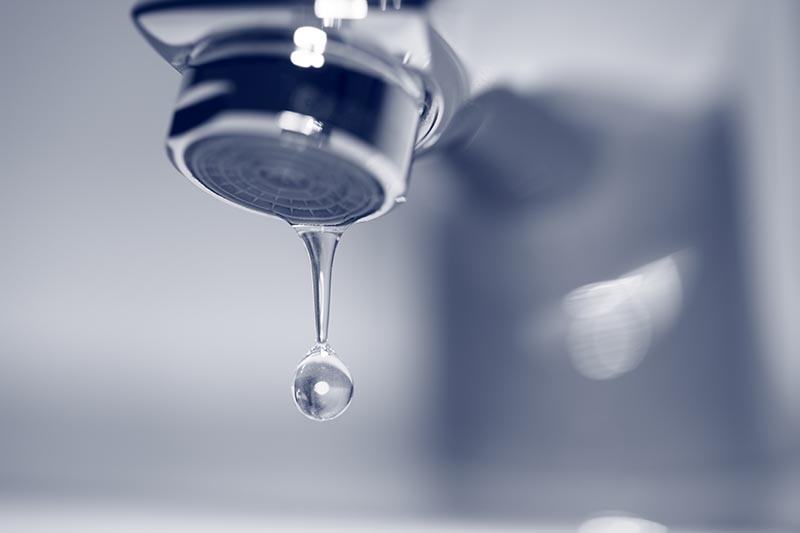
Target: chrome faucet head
[{"x": 314, "y": 120}]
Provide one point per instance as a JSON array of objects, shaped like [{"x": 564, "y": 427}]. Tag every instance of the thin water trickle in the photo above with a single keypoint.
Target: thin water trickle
[
  {"x": 322, "y": 387},
  {"x": 321, "y": 244}
]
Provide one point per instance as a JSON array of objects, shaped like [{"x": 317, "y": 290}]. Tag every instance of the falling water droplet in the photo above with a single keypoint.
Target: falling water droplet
[{"x": 322, "y": 387}]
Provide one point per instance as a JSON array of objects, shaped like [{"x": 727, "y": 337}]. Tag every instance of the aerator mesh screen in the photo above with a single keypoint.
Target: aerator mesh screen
[{"x": 299, "y": 183}]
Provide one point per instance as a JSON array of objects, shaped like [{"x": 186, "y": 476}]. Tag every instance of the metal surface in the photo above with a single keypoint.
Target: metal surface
[
  {"x": 376, "y": 98},
  {"x": 327, "y": 146}
]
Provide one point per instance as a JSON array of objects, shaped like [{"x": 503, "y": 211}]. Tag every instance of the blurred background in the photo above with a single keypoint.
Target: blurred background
[{"x": 586, "y": 312}]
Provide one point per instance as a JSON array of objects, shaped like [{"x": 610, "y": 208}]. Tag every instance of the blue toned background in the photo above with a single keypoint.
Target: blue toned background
[{"x": 587, "y": 307}]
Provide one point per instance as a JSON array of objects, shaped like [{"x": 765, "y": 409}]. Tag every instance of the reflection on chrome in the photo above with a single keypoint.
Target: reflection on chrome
[
  {"x": 395, "y": 3},
  {"x": 611, "y": 324},
  {"x": 340, "y": 9},
  {"x": 621, "y": 524},
  {"x": 310, "y": 43},
  {"x": 299, "y": 123}
]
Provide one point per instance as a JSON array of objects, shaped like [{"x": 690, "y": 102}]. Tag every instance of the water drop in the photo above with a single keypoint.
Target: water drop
[{"x": 322, "y": 387}]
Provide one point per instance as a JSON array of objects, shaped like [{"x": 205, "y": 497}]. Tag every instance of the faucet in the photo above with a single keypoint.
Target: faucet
[{"x": 308, "y": 111}]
